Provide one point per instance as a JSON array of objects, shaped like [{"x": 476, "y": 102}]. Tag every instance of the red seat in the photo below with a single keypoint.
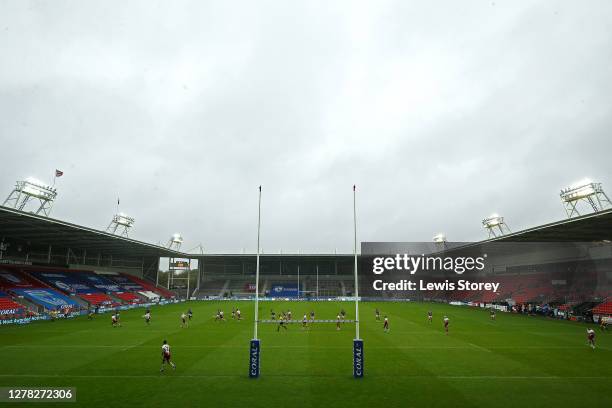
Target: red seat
[
  {"x": 97, "y": 298},
  {"x": 604, "y": 308},
  {"x": 128, "y": 297},
  {"x": 7, "y": 303}
]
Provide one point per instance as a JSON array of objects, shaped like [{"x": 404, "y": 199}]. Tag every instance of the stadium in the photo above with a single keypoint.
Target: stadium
[
  {"x": 61, "y": 283},
  {"x": 341, "y": 204}
]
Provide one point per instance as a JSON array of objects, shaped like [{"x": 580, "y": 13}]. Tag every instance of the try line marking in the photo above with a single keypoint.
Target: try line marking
[
  {"x": 442, "y": 377},
  {"x": 468, "y": 346}
]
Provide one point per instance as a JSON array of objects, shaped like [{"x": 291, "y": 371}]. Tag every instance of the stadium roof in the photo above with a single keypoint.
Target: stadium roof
[
  {"x": 586, "y": 228},
  {"x": 41, "y": 230},
  {"x": 48, "y": 231}
]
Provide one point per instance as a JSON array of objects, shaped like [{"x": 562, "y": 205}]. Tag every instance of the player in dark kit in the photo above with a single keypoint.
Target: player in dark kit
[
  {"x": 492, "y": 314},
  {"x": 377, "y": 314},
  {"x": 166, "y": 357},
  {"x": 281, "y": 323},
  {"x": 386, "y": 325},
  {"x": 272, "y": 315},
  {"x": 189, "y": 313}
]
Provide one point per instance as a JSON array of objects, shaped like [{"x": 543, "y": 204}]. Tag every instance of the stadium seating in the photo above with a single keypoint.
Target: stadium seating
[
  {"x": 44, "y": 287},
  {"x": 213, "y": 287},
  {"x": 98, "y": 299},
  {"x": 17, "y": 282},
  {"x": 604, "y": 308},
  {"x": 8, "y": 307},
  {"x": 150, "y": 287},
  {"x": 151, "y": 296},
  {"x": 128, "y": 297},
  {"x": 12, "y": 277}
]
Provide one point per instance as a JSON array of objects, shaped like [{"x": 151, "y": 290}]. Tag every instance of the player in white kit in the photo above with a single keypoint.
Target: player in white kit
[{"x": 166, "y": 357}]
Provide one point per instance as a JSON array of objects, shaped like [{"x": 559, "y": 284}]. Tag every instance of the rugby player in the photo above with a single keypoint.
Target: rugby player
[
  {"x": 184, "y": 320},
  {"x": 166, "y": 357},
  {"x": 115, "y": 320},
  {"x": 591, "y": 337},
  {"x": 281, "y": 323}
]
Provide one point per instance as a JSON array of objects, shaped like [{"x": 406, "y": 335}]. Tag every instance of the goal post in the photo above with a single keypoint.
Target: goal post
[
  {"x": 255, "y": 346},
  {"x": 357, "y": 342}
]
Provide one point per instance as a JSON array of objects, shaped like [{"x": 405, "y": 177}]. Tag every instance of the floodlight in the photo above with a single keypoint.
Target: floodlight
[
  {"x": 175, "y": 242},
  {"x": 439, "y": 238},
  {"x": 586, "y": 191},
  {"x": 496, "y": 225},
  {"x": 121, "y": 222},
  {"x": 28, "y": 190}
]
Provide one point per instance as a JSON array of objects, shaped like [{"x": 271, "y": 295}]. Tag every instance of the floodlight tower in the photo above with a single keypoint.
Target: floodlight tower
[
  {"x": 175, "y": 241},
  {"x": 496, "y": 226},
  {"x": 120, "y": 224},
  {"x": 440, "y": 240},
  {"x": 32, "y": 190},
  {"x": 584, "y": 191}
]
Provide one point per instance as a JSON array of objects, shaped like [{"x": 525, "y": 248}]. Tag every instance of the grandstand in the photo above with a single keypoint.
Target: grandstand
[{"x": 50, "y": 264}]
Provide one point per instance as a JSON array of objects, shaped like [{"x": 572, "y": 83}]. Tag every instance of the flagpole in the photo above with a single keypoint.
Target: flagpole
[
  {"x": 355, "y": 266},
  {"x": 257, "y": 267}
]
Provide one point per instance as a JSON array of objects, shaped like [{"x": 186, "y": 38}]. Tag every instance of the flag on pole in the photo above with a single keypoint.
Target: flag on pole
[{"x": 58, "y": 173}]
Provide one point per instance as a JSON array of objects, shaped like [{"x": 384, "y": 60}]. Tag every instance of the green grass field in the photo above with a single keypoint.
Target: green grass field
[{"x": 514, "y": 361}]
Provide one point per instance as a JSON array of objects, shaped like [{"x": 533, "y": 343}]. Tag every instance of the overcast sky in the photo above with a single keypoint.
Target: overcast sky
[{"x": 440, "y": 112}]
